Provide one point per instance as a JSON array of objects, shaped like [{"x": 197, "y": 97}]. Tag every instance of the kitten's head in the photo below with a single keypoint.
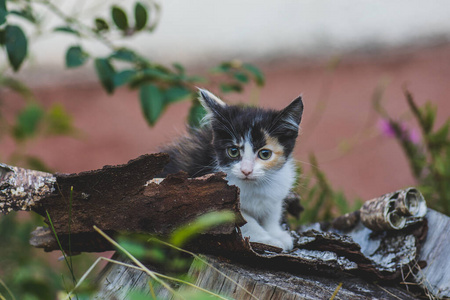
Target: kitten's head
[{"x": 251, "y": 143}]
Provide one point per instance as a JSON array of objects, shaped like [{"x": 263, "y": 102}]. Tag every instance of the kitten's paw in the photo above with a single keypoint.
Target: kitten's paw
[{"x": 287, "y": 240}]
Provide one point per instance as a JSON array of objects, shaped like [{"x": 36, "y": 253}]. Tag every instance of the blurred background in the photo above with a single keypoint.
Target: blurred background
[
  {"x": 85, "y": 84},
  {"x": 335, "y": 54}
]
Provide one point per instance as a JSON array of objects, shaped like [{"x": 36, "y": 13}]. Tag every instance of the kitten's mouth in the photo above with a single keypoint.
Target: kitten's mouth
[{"x": 248, "y": 179}]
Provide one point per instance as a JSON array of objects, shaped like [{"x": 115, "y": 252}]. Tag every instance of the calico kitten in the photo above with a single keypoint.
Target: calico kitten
[{"x": 253, "y": 146}]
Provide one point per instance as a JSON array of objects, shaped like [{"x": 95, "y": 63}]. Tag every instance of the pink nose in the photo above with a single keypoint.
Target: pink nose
[{"x": 246, "y": 172}]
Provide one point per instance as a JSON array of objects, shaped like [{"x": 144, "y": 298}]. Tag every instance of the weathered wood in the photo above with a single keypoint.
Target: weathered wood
[
  {"x": 121, "y": 198},
  {"x": 435, "y": 253},
  {"x": 21, "y": 189},
  {"x": 244, "y": 282},
  {"x": 420, "y": 253},
  {"x": 156, "y": 209},
  {"x": 115, "y": 198}
]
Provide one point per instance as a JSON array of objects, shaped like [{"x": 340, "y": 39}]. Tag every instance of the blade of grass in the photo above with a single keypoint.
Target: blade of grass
[
  {"x": 336, "y": 291},
  {"x": 60, "y": 247},
  {"x": 136, "y": 261},
  {"x": 205, "y": 262},
  {"x": 7, "y": 290},
  {"x": 70, "y": 222},
  {"x": 152, "y": 290}
]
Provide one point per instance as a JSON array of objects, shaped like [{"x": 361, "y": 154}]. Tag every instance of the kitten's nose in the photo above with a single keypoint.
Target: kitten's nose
[{"x": 246, "y": 172}]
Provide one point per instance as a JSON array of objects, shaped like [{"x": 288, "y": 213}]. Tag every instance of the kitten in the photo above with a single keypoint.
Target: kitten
[{"x": 253, "y": 146}]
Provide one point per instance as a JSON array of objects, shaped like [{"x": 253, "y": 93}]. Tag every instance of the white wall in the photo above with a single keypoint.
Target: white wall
[{"x": 204, "y": 30}]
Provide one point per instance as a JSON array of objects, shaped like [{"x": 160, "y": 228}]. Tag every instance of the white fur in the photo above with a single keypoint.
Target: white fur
[{"x": 262, "y": 196}]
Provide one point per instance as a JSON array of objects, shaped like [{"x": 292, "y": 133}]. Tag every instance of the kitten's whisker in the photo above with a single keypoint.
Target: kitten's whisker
[
  {"x": 307, "y": 163},
  {"x": 204, "y": 167}
]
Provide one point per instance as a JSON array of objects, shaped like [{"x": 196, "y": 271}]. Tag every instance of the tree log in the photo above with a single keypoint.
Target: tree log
[
  {"x": 123, "y": 198},
  {"x": 254, "y": 283}
]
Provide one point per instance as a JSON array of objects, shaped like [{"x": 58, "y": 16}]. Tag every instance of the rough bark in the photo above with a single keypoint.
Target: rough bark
[{"x": 21, "y": 189}]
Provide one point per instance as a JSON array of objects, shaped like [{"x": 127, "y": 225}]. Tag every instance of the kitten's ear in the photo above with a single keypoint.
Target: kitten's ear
[
  {"x": 210, "y": 102},
  {"x": 292, "y": 114}
]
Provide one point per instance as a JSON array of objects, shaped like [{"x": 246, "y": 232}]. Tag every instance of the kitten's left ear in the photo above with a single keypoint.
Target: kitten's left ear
[
  {"x": 292, "y": 114},
  {"x": 210, "y": 101}
]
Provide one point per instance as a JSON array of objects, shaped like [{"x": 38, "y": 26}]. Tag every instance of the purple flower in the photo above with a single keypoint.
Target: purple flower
[
  {"x": 414, "y": 136},
  {"x": 386, "y": 128}
]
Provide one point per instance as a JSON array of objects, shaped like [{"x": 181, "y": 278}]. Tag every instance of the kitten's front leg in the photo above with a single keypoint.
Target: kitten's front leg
[
  {"x": 273, "y": 227},
  {"x": 258, "y": 234}
]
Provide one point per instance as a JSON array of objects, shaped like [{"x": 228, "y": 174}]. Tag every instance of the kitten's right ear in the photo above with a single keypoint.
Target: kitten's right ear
[
  {"x": 291, "y": 116},
  {"x": 210, "y": 102}
]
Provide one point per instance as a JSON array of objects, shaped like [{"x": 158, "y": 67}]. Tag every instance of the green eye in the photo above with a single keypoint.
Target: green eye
[
  {"x": 233, "y": 152},
  {"x": 264, "y": 154}
]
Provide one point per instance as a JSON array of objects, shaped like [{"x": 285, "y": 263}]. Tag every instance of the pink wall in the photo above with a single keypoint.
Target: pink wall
[{"x": 113, "y": 130}]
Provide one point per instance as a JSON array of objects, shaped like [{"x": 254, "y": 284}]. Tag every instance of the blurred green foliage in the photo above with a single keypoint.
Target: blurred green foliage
[
  {"x": 428, "y": 156},
  {"x": 25, "y": 271},
  {"x": 321, "y": 202}
]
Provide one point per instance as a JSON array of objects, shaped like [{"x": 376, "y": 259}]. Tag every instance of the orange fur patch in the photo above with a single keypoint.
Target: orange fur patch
[{"x": 277, "y": 159}]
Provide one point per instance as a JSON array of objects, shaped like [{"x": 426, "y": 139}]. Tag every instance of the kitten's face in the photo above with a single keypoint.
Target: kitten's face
[{"x": 252, "y": 143}]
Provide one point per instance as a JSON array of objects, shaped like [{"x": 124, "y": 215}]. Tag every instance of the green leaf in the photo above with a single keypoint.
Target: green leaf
[
  {"x": 179, "y": 67},
  {"x": 137, "y": 295},
  {"x": 428, "y": 113},
  {"x": 67, "y": 29},
  {"x": 120, "y": 18},
  {"x": 35, "y": 163},
  {"x": 222, "y": 68},
  {"x": 155, "y": 74},
  {"x": 123, "y": 77},
  {"x": 25, "y": 13},
  {"x": 176, "y": 93},
  {"x": 125, "y": 55},
  {"x": 59, "y": 121},
  {"x": 440, "y": 137},
  {"x": 140, "y": 15},
  {"x": 17, "y": 86},
  {"x": 257, "y": 74},
  {"x": 196, "y": 113},
  {"x": 152, "y": 102},
  {"x": 196, "y": 79},
  {"x": 230, "y": 87},
  {"x": 105, "y": 73},
  {"x": 16, "y": 45},
  {"x": 2, "y": 37},
  {"x": 28, "y": 121},
  {"x": 75, "y": 57},
  {"x": 3, "y": 12},
  {"x": 101, "y": 25},
  {"x": 207, "y": 221},
  {"x": 136, "y": 249},
  {"x": 240, "y": 76}
]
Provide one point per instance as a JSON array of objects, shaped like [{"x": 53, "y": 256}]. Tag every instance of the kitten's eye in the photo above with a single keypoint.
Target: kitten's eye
[
  {"x": 233, "y": 152},
  {"x": 264, "y": 154}
]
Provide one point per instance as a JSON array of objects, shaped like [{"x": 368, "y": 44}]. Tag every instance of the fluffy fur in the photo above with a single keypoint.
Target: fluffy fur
[{"x": 253, "y": 146}]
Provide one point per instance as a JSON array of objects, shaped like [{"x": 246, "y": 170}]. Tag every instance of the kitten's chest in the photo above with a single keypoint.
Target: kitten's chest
[{"x": 269, "y": 193}]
